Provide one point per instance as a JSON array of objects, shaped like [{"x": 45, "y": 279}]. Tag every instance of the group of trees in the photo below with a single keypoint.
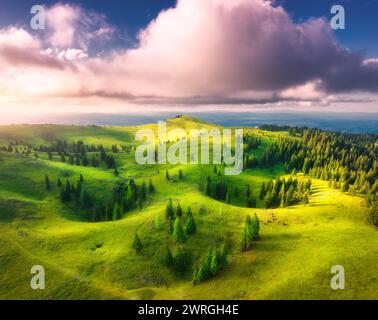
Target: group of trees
[
  {"x": 283, "y": 193},
  {"x": 210, "y": 265},
  {"x": 125, "y": 196},
  {"x": 347, "y": 161},
  {"x": 169, "y": 177},
  {"x": 217, "y": 189},
  {"x": 251, "y": 143},
  {"x": 75, "y": 153},
  {"x": 176, "y": 228},
  {"x": 251, "y": 232},
  {"x": 178, "y": 261}
]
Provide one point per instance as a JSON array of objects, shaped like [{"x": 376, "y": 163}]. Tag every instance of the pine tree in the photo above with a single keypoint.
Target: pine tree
[
  {"x": 68, "y": 190},
  {"x": 248, "y": 192},
  {"x": 59, "y": 183},
  {"x": 181, "y": 176},
  {"x": 191, "y": 226},
  {"x": 143, "y": 191},
  {"x": 167, "y": 175},
  {"x": 169, "y": 211},
  {"x": 168, "y": 259},
  {"x": 188, "y": 212},
  {"x": 256, "y": 227},
  {"x": 170, "y": 225},
  {"x": 137, "y": 244},
  {"x": 151, "y": 188},
  {"x": 47, "y": 183},
  {"x": 179, "y": 211},
  {"x": 178, "y": 231},
  {"x": 180, "y": 260}
]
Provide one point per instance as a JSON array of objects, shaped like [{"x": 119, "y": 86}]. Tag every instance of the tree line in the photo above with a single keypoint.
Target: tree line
[
  {"x": 125, "y": 196},
  {"x": 283, "y": 193}
]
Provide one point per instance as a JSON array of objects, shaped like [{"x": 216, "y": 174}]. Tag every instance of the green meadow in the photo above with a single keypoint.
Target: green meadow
[{"x": 84, "y": 259}]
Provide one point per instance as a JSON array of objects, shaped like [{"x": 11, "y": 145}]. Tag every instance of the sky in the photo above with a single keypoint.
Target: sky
[{"x": 158, "y": 55}]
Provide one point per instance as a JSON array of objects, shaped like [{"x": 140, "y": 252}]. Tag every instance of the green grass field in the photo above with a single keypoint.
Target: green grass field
[{"x": 84, "y": 260}]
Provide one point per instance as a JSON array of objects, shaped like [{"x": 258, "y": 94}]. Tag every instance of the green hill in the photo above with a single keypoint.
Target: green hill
[{"x": 90, "y": 257}]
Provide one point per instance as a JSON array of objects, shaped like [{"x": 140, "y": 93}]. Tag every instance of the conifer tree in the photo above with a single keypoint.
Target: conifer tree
[
  {"x": 180, "y": 260},
  {"x": 188, "y": 212},
  {"x": 168, "y": 259},
  {"x": 179, "y": 211},
  {"x": 137, "y": 244},
  {"x": 143, "y": 191},
  {"x": 169, "y": 211},
  {"x": 178, "y": 231},
  {"x": 151, "y": 188},
  {"x": 191, "y": 226},
  {"x": 47, "y": 183}
]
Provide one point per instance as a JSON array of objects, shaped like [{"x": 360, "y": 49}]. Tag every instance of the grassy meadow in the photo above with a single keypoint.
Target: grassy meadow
[{"x": 95, "y": 260}]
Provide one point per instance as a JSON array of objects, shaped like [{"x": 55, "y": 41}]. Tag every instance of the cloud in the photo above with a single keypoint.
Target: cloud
[
  {"x": 71, "y": 26},
  {"x": 199, "y": 52}
]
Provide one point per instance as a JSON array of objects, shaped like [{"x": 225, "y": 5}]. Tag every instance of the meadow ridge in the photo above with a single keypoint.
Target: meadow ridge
[{"x": 73, "y": 199}]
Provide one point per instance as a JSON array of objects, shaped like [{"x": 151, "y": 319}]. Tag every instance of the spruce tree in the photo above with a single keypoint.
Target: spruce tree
[
  {"x": 143, "y": 191},
  {"x": 188, "y": 212},
  {"x": 180, "y": 260},
  {"x": 179, "y": 211},
  {"x": 168, "y": 259},
  {"x": 191, "y": 226},
  {"x": 151, "y": 188},
  {"x": 137, "y": 244},
  {"x": 47, "y": 183},
  {"x": 169, "y": 211},
  {"x": 178, "y": 231}
]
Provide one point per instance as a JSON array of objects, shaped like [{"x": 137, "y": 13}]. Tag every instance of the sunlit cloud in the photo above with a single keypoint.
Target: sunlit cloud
[{"x": 200, "y": 52}]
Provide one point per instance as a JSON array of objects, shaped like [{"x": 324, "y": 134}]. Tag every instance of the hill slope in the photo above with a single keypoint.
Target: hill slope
[{"x": 85, "y": 260}]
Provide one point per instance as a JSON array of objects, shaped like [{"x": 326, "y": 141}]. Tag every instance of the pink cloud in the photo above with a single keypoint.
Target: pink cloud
[{"x": 201, "y": 51}]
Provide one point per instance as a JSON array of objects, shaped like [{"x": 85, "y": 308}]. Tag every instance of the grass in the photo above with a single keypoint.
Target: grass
[{"x": 293, "y": 259}]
